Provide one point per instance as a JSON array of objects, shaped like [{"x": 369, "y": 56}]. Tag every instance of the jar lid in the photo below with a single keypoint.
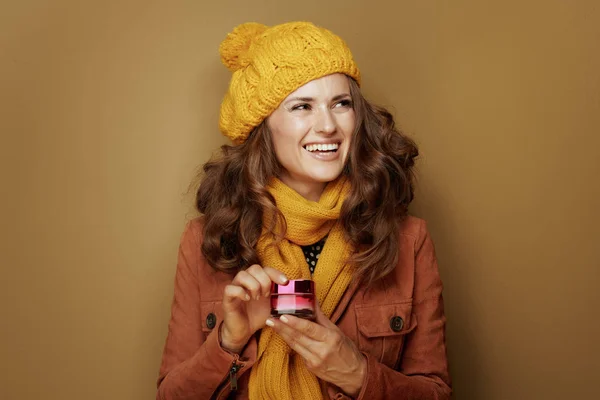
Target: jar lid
[{"x": 294, "y": 286}]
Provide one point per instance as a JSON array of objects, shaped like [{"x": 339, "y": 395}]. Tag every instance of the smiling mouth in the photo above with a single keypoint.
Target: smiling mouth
[{"x": 322, "y": 148}]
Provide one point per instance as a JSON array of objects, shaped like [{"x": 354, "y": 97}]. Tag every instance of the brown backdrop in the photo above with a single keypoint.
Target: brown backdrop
[{"x": 108, "y": 107}]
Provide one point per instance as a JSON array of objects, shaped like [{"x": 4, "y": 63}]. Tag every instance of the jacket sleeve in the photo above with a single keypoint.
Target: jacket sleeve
[
  {"x": 194, "y": 366},
  {"x": 423, "y": 369}
]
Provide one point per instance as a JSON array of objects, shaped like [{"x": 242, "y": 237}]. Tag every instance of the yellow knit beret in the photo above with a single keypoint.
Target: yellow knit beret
[{"x": 269, "y": 63}]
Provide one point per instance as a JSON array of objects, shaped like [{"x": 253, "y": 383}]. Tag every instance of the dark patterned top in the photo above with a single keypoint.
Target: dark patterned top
[{"x": 312, "y": 252}]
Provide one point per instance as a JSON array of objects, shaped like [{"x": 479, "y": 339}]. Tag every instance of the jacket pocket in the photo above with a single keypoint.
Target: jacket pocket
[
  {"x": 211, "y": 315},
  {"x": 383, "y": 329}
]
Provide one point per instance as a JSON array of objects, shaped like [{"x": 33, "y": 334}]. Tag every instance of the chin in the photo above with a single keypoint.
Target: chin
[{"x": 325, "y": 176}]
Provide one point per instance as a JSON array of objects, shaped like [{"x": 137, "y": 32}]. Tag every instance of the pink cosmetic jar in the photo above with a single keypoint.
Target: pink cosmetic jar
[{"x": 296, "y": 298}]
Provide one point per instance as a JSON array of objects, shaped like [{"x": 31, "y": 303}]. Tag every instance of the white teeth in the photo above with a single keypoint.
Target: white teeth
[{"x": 322, "y": 147}]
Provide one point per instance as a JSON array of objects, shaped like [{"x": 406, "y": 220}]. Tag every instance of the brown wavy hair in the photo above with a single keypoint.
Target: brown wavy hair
[{"x": 233, "y": 197}]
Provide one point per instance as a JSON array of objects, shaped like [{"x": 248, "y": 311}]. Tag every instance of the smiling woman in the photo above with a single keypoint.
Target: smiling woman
[
  {"x": 316, "y": 188},
  {"x": 312, "y": 131}
]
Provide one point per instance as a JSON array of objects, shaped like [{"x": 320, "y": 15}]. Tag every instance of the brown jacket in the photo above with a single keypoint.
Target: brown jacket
[{"x": 399, "y": 325}]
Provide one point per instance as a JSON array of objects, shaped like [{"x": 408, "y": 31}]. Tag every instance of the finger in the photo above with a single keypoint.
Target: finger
[
  {"x": 248, "y": 282},
  {"x": 233, "y": 293},
  {"x": 321, "y": 319},
  {"x": 295, "y": 339},
  {"x": 298, "y": 346},
  {"x": 310, "y": 358},
  {"x": 308, "y": 328},
  {"x": 262, "y": 278},
  {"x": 276, "y": 275}
]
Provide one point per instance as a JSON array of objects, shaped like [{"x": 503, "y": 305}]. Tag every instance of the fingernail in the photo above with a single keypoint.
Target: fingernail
[
  {"x": 284, "y": 279},
  {"x": 270, "y": 323},
  {"x": 247, "y": 296},
  {"x": 283, "y": 319},
  {"x": 257, "y": 297},
  {"x": 267, "y": 294}
]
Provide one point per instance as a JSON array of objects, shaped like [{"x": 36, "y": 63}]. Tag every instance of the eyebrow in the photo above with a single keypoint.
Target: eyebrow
[{"x": 310, "y": 99}]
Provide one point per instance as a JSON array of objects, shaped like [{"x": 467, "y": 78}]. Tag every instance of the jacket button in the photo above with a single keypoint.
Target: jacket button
[
  {"x": 396, "y": 323},
  {"x": 211, "y": 320}
]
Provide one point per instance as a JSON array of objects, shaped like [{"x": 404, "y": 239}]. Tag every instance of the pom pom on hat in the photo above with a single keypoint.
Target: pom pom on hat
[{"x": 234, "y": 49}]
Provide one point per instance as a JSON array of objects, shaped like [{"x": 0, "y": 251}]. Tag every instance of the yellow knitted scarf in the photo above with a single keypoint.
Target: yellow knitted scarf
[{"x": 279, "y": 373}]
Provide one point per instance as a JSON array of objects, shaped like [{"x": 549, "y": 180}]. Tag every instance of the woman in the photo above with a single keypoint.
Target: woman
[{"x": 316, "y": 173}]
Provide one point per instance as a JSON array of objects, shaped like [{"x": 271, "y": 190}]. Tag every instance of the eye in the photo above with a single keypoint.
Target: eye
[
  {"x": 346, "y": 103},
  {"x": 302, "y": 106}
]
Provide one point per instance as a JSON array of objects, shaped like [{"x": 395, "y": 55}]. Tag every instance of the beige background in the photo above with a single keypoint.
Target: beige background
[{"x": 107, "y": 108}]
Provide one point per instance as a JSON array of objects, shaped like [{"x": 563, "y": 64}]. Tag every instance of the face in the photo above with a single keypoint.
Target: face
[{"x": 311, "y": 132}]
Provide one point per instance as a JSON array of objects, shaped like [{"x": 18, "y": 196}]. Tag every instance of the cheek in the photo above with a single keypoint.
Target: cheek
[
  {"x": 288, "y": 135},
  {"x": 346, "y": 122},
  {"x": 349, "y": 123},
  {"x": 295, "y": 128},
  {"x": 285, "y": 147}
]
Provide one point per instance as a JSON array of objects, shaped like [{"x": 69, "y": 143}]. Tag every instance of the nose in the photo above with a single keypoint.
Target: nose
[{"x": 325, "y": 122}]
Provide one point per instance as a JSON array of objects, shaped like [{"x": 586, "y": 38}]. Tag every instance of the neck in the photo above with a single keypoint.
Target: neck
[{"x": 309, "y": 190}]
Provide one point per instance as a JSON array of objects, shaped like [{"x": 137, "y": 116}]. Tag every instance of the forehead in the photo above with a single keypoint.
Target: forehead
[{"x": 326, "y": 86}]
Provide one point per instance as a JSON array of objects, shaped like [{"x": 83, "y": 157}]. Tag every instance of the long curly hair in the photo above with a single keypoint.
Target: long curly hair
[{"x": 233, "y": 198}]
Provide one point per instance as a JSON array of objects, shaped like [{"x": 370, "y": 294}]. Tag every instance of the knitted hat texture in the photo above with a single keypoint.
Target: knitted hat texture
[{"x": 269, "y": 63}]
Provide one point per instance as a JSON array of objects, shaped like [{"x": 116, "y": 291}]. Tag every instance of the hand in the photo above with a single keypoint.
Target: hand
[
  {"x": 246, "y": 305},
  {"x": 328, "y": 353}
]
